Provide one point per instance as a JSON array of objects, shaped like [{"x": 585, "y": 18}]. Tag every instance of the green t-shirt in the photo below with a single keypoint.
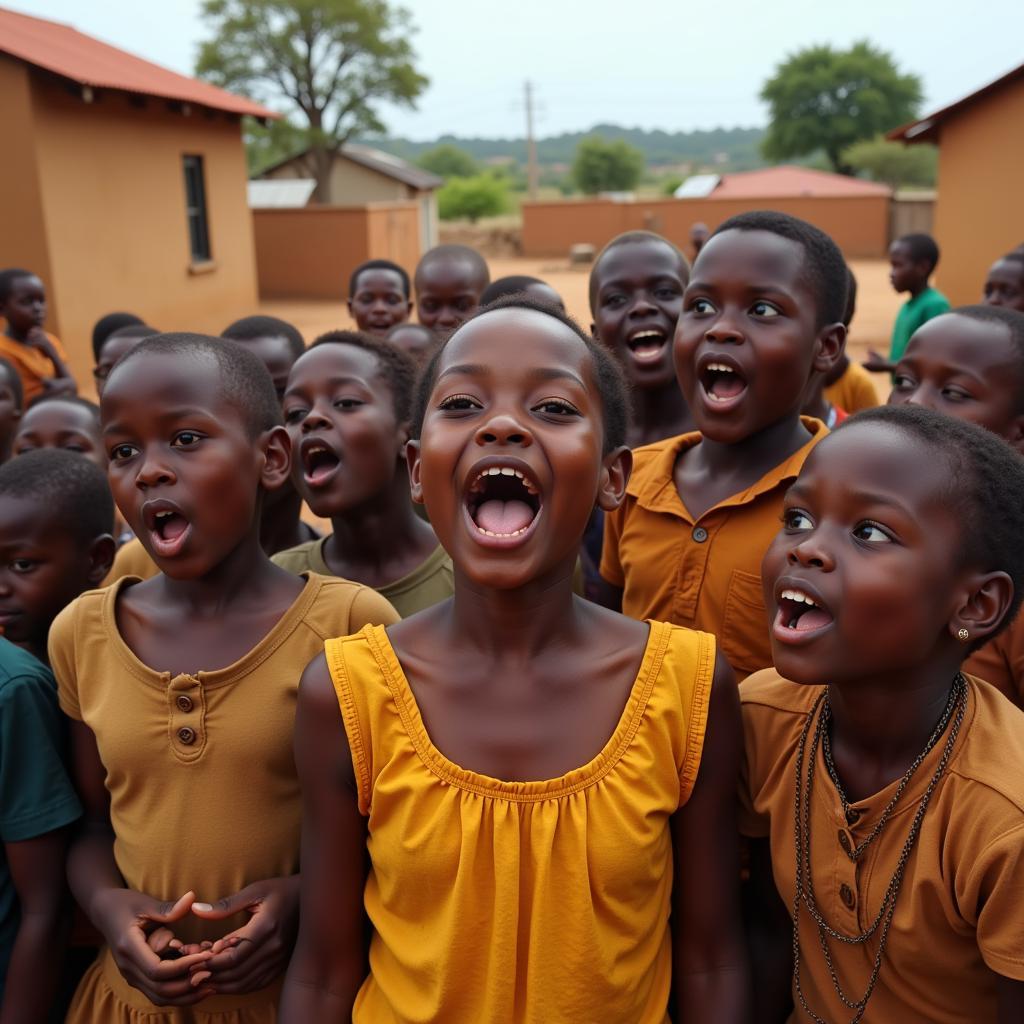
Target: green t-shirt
[
  {"x": 36, "y": 795},
  {"x": 913, "y": 313}
]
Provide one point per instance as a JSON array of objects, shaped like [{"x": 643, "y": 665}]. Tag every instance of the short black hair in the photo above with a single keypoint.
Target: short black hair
[
  {"x": 985, "y": 489},
  {"x": 824, "y": 267},
  {"x": 245, "y": 383},
  {"x": 7, "y": 279},
  {"x": 851, "y": 298},
  {"x": 70, "y": 489},
  {"x": 250, "y": 327},
  {"x": 410, "y": 325},
  {"x": 83, "y": 403},
  {"x": 456, "y": 254},
  {"x": 379, "y": 265},
  {"x": 922, "y": 248},
  {"x": 1017, "y": 256},
  {"x": 396, "y": 367},
  {"x": 132, "y": 331},
  {"x": 635, "y": 238},
  {"x": 611, "y": 384},
  {"x": 13, "y": 382},
  {"x": 511, "y": 285},
  {"x": 1002, "y": 316},
  {"x": 105, "y": 327}
]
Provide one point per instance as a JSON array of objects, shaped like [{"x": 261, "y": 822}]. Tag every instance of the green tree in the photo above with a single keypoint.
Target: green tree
[
  {"x": 601, "y": 166},
  {"x": 894, "y": 164},
  {"x": 827, "y": 99},
  {"x": 448, "y": 161},
  {"x": 332, "y": 62},
  {"x": 472, "y": 198}
]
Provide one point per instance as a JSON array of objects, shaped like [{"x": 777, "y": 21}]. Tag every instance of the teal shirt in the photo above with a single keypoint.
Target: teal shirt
[
  {"x": 913, "y": 313},
  {"x": 36, "y": 795}
]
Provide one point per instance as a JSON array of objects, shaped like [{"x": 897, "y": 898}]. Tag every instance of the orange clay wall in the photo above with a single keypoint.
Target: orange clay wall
[
  {"x": 310, "y": 253},
  {"x": 113, "y": 190},
  {"x": 979, "y": 212},
  {"x": 860, "y": 225}
]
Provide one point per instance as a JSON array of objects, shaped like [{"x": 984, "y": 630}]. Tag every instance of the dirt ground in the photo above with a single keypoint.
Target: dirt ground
[{"x": 877, "y": 303}]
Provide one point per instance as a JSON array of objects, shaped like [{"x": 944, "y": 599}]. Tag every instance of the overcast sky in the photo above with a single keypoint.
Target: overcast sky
[{"x": 671, "y": 64}]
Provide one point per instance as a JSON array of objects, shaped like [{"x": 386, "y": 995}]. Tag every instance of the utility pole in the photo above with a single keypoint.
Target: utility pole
[{"x": 532, "y": 170}]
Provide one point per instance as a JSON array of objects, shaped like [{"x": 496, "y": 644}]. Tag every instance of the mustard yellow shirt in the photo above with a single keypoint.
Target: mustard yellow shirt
[{"x": 510, "y": 902}]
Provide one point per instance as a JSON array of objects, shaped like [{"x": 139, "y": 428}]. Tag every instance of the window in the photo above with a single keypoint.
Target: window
[{"x": 195, "y": 206}]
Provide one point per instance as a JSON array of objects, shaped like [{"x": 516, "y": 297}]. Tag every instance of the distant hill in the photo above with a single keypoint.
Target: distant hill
[{"x": 734, "y": 149}]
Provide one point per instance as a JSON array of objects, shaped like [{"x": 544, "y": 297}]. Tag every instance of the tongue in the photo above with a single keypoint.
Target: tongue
[
  {"x": 320, "y": 472},
  {"x": 173, "y": 528},
  {"x": 813, "y": 619},
  {"x": 504, "y": 516},
  {"x": 727, "y": 385}
]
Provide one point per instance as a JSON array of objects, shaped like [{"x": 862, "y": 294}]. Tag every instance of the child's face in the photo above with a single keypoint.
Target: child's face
[
  {"x": 545, "y": 293},
  {"x": 10, "y": 415},
  {"x": 112, "y": 350},
  {"x": 42, "y": 568},
  {"x": 25, "y": 307},
  {"x": 1004, "y": 285},
  {"x": 276, "y": 355},
  {"x": 340, "y": 416},
  {"x": 868, "y": 536},
  {"x": 379, "y": 301},
  {"x": 57, "y": 424},
  {"x": 638, "y": 294},
  {"x": 748, "y": 339},
  {"x": 904, "y": 273},
  {"x": 447, "y": 294},
  {"x": 509, "y": 462},
  {"x": 184, "y": 470},
  {"x": 967, "y": 369}
]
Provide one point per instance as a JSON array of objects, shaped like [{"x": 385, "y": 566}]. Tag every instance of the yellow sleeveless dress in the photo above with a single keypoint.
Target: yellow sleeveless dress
[{"x": 518, "y": 902}]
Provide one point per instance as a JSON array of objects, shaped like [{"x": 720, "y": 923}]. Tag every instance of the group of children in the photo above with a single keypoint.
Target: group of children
[{"x": 403, "y": 771}]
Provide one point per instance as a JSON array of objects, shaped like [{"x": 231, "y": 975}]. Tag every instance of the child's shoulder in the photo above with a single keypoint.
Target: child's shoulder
[
  {"x": 653, "y": 463},
  {"x": 772, "y": 692},
  {"x": 337, "y": 606},
  {"x": 302, "y": 557},
  {"x": 19, "y": 668}
]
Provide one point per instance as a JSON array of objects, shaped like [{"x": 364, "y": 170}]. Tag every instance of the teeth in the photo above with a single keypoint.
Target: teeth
[
  {"x": 647, "y": 334},
  {"x": 720, "y": 367},
  {"x": 490, "y": 533},
  {"x": 163, "y": 515},
  {"x": 800, "y": 596},
  {"x": 505, "y": 471}
]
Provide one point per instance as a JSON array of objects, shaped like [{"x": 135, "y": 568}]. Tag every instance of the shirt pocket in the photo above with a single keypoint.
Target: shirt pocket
[{"x": 745, "y": 640}]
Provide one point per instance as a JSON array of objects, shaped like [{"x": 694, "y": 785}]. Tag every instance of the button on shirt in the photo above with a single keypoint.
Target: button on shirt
[{"x": 704, "y": 573}]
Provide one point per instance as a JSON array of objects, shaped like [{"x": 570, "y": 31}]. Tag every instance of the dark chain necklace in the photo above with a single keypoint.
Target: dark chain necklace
[{"x": 804, "y": 894}]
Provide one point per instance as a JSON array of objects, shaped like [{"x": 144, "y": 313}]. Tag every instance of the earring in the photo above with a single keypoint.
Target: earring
[{"x": 963, "y": 635}]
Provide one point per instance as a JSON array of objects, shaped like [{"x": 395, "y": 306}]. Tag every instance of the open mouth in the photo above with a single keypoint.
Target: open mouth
[
  {"x": 648, "y": 346},
  {"x": 722, "y": 383},
  {"x": 318, "y": 464},
  {"x": 503, "y": 503},
  {"x": 168, "y": 531},
  {"x": 800, "y": 613}
]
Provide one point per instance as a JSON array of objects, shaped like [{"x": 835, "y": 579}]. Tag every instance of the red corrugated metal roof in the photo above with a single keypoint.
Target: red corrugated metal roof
[
  {"x": 787, "y": 182},
  {"x": 65, "y": 51}
]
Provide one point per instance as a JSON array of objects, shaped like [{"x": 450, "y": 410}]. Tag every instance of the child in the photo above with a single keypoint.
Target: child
[
  {"x": 913, "y": 259},
  {"x": 449, "y": 282},
  {"x": 67, "y": 422},
  {"x": 882, "y": 579},
  {"x": 56, "y": 516},
  {"x": 39, "y": 357},
  {"x": 182, "y": 693},
  {"x": 849, "y": 386},
  {"x": 113, "y": 346},
  {"x": 494, "y": 896},
  {"x": 636, "y": 293},
  {"x": 1004, "y": 285},
  {"x": 515, "y": 284},
  {"x": 347, "y": 409},
  {"x": 763, "y": 311},
  {"x": 415, "y": 340},
  {"x": 378, "y": 296},
  {"x": 12, "y": 402},
  {"x": 105, "y": 327},
  {"x": 970, "y": 364}
]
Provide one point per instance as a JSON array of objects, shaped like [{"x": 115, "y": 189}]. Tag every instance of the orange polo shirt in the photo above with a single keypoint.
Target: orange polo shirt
[
  {"x": 958, "y": 916},
  {"x": 855, "y": 390},
  {"x": 704, "y": 573},
  {"x": 1001, "y": 661},
  {"x": 32, "y": 366}
]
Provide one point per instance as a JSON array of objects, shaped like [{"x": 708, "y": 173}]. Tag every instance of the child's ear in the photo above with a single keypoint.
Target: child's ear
[
  {"x": 831, "y": 345},
  {"x": 616, "y": 468},
  {"x": 412, "y": 462},
  {"x": 277, "y": 458},
  {"x": 1016, "y": 434},
  {"x": 593, "y": 332},
  {"x": 348, "y": 303},
  {"x": 101, "y": 558},
  {"x": 987, "y": 599},
  {"x": 404, "y": 430}
]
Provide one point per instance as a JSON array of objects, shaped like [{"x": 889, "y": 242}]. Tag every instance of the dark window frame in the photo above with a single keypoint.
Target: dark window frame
[{"x": 196, "y": 216}]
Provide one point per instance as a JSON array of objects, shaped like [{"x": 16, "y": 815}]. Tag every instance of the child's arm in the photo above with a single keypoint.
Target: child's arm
[
  {"x": 330, "y": 961},
  {"x": 1011, "y": 1000},
  {"x": 37, "y": 871},
  {"x": 125, "y": 918},
  {"x": 711, "y": 978},
  {"x": 769, "y": 938},
  {"x": 62, "y": 380}
]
